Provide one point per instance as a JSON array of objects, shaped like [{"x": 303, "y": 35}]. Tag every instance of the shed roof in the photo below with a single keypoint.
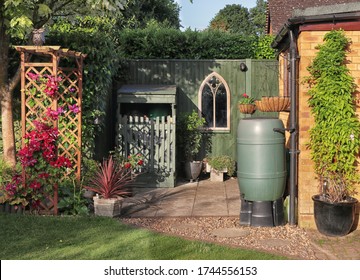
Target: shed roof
[{"x": 135, "y": 93}]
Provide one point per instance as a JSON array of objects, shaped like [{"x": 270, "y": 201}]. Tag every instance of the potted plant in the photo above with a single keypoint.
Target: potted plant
[
  {"x": 334, "y": 137},
  {"x": 246, "y": 104},
  {"x": 189, "y": 139},
  {"x": 218, "y": 165},
  {"x": 111, "y": 183}
]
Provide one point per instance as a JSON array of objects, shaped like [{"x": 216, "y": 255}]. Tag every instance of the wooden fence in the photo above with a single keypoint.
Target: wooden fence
[{"x": 155, "y": 140}]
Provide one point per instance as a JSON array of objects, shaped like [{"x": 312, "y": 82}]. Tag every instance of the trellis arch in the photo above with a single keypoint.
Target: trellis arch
[{"x": 54, "y": 61}]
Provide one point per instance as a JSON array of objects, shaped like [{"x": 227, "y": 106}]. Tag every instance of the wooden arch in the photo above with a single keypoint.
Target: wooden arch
[{"x": 53, "y": 61}]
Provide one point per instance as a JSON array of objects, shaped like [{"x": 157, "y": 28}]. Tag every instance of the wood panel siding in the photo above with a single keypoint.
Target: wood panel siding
[{"x": 260, "y": 79}]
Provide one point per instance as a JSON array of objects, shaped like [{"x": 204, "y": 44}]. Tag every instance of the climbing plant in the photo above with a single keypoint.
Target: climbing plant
[
  {"x": 94, "y": 36},
  {"x": 334, "y": 138}
]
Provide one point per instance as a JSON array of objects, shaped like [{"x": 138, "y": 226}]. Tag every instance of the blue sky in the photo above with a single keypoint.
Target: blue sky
[{"x": 199, "y": 14}]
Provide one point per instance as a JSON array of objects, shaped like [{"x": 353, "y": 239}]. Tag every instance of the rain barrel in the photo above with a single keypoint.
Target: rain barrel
[{"x": 261, "y": 158}]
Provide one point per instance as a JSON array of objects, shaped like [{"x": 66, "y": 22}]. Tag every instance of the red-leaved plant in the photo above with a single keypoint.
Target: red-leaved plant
[{"x": 111, "y": 180}]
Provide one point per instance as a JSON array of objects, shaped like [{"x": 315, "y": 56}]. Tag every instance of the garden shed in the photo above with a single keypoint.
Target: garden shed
[
  {"x": 156, "y": 88},
  {"x": 146, "y": 125}
]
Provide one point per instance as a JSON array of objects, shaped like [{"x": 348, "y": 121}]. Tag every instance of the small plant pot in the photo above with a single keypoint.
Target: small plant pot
[
  {"x": 109, "y": 207},
  {"x": 217, "y": 175},
  {"x": 247, "y": 108},
  {"x": 193, "y": 169}
]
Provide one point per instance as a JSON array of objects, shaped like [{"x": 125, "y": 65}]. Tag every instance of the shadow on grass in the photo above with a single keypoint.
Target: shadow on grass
[{"x": 99, "y": 238}]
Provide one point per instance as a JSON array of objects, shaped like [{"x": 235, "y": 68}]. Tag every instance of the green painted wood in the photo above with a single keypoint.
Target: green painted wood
[
  {"x": 260, "y": 79},
  {"x": 155, "y": 140}
]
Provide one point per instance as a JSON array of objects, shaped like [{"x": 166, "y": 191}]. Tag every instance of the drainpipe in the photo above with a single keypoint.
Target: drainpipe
[{"x": 293, "y": 129}]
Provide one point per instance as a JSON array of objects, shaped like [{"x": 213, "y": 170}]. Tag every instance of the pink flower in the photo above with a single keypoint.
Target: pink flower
[
  {"x": 33, "y": 76},
  {"x": 245, "y": 95},
  {"x": 74, "y": 108},
  {"x": 54, "y": 115},
  {"x": 44, "y": 175},
  {"x": 35, "y": 185},
  {"x": 52, "y": 86}
]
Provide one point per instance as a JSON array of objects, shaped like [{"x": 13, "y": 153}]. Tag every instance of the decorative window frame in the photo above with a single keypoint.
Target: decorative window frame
[{"x": 206, "y": 82}]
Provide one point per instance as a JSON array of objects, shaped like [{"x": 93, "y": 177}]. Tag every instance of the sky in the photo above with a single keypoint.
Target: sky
[{"x": 199, "y": 14}]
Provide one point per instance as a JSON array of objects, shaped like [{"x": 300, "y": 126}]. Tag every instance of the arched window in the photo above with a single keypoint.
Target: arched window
[{"x": 214, "y": 102}]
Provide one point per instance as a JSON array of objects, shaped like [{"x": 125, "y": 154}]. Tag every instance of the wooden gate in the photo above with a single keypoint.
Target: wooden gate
[{"x": 155, "y": 140}]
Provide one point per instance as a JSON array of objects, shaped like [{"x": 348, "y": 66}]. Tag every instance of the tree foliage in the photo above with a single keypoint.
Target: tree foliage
[
  {"x": 17, "y": 18},
  {"x": 238, "y": 19},
  {"x": 258, "y": 17},
  {"x": 234, "y": 19},
  {"x": 139, "y": 13}
]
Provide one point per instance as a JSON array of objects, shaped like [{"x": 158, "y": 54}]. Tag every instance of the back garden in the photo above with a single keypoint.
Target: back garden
[
  {"x": 60, "y": 128},
  {"x": 60, "y": 112}
]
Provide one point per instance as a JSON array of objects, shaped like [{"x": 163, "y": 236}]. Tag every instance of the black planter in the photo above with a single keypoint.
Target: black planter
[{"x": 334, "y": 219}]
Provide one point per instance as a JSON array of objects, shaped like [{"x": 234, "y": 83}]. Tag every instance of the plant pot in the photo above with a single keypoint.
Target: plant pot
[
  {"x": 217, "y": 175},
  {"x": 247, "y": 108},
  {"x": 193, "y": 169},
  {"x": 108, "y": 207},
  {"x": 334, "y": 219},
  {"x": 88, "y": 194}
]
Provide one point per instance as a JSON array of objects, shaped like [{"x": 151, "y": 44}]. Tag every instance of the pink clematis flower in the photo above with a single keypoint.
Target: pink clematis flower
[{"x": 74, "y": 108}]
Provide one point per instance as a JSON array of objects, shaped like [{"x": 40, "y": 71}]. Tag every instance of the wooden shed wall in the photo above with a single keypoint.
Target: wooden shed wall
[{"x": 260, "y": 79}]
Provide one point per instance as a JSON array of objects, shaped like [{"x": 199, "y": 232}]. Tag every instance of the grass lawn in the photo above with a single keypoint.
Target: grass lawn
[{"x": 97, "y": 238}]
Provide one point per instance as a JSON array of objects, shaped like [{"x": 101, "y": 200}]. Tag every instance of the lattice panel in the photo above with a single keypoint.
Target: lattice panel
[
  {"x": 37, "y": 104},
  {"x": 67, "y": 100}
]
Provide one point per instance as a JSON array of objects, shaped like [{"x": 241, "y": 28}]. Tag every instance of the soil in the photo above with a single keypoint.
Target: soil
[{"x": 291, "y": 242}]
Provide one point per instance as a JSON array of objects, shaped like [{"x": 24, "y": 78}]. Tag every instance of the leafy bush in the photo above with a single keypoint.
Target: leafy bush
[
  {"x": 151, "y": 43},
  {"x": 72, "y": 200},
  {"x": 263, "y": 49},
  {"x": 189, "y": 134},
  {"x": 222, "y": 162}
]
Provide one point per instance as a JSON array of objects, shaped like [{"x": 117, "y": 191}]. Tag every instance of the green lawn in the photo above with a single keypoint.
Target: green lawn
[{"x": 96, "y": 238}]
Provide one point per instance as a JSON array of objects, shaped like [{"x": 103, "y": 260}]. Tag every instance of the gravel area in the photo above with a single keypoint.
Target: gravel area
[{"x": 288, "y": 241}]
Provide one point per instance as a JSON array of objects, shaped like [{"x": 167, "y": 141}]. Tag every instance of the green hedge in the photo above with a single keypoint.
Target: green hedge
[{"x": 152, "y": 43}]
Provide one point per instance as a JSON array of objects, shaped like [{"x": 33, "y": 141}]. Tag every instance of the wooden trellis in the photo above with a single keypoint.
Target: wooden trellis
[{"x": 66, "y": 66}]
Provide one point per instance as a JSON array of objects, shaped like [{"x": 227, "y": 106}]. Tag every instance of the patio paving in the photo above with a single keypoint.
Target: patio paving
[{"x": 222, "y": 199}]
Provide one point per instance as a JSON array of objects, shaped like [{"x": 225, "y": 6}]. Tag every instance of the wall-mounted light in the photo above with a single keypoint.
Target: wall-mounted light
[{"x": 243, "y": 67}]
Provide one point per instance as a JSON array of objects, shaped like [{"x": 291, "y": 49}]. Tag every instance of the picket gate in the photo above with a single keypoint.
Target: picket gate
[{"x": 154, "y": 138}]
